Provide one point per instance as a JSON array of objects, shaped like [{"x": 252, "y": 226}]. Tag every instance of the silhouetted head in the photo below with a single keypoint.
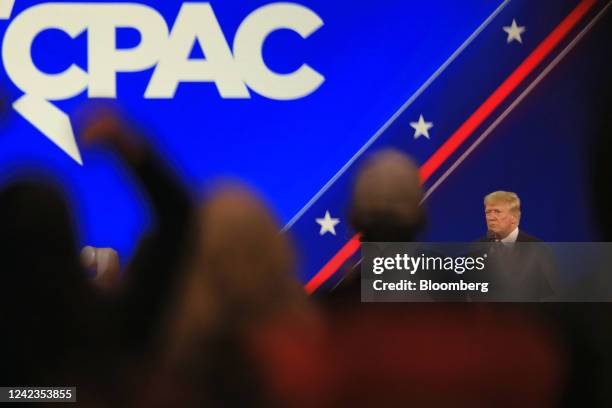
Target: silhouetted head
[
  {"x": 44, "y": 295},
  {"x": 243, "y": 278},
  {"x": 386, "y": 198},
  {"x": 37, "y": 243},
  {"x": 245, "y": 258}
]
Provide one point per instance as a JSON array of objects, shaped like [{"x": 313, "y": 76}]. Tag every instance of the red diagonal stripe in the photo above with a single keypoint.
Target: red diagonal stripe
[
  {"x": 334, "y": 264},
  {"x": 468, "y": 127},
  {"x": 505, "y": 89}
]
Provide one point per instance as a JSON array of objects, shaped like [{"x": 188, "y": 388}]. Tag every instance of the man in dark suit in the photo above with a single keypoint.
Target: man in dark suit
[{"x": 516, "y": 272}]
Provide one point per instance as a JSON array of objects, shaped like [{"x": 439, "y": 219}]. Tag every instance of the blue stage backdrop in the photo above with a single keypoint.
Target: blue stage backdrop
[{"x": 290, "y": 96}]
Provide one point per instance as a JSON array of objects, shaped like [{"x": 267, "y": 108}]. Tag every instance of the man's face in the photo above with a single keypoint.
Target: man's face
[{"x": 499, "y": 219}]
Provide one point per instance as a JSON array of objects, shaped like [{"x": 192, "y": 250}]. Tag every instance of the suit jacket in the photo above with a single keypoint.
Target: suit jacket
[
  {"x": 525, "y": 237},
  {"x": 522, "y": 237},
  {"x": 520, "y": 272}
]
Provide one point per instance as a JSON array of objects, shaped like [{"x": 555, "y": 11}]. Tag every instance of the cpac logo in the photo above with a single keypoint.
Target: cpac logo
[{"x": 166, "y": 50}]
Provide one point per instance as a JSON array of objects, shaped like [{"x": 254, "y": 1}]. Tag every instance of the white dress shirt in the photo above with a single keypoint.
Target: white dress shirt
[{"x": 511, "y": 238}]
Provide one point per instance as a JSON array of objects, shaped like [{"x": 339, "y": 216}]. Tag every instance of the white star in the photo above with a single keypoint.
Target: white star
[
  {"x": 328, "y": 224},
  {"x": 514, "y": 32},
  {"x": 421, "y": 128}
]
